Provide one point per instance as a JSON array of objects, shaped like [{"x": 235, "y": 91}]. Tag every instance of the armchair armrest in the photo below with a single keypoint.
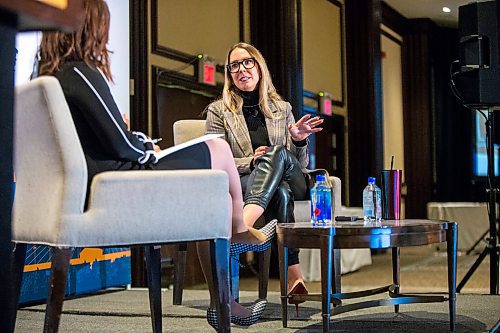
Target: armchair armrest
[
  {"x": 334, "y": 182},
  {"x": 337, "y": 194},
  {"x": 302, "y": 207}
]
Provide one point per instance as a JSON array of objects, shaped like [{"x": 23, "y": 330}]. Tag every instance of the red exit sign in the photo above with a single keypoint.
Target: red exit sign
[
  {"x": 327, "y": 107},
  {"x": 206, "y": 71},
  {"x": 209, "y": 74},
  {"x": 325, "y": 103}
]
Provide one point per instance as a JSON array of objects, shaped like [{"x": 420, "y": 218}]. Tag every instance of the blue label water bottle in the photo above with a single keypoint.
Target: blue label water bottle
[
  {"x": 372, "y": 201},
  {"x": 321, "y": 202}
]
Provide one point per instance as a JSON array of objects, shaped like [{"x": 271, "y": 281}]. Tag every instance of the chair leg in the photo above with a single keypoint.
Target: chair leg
[
  {"x": 451, "y": 244},
  {"x": 283, "y": 263},
  {"x": 336, "y": 270},
  {"x": 264, "y": 263},
  {"x": 326, "y": 243},
  {"x": 219, "y": 257},
  {"x": 395, "y": 273},
  {"x": 58, "y": 277},
  {"x": 234, "y": 268},
  {"x": 153, "y": 266},
  {"x": 179, "y": 273},
  {"x": 17, "y": 277}
]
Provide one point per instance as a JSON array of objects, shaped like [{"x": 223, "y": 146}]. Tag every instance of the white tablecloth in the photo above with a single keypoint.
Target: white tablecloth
[
  {"x": 351, "y": 259},
  {"x": 472, "y": 219}
]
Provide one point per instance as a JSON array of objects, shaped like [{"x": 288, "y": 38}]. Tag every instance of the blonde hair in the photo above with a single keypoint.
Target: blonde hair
[
  {"x": 267, "y": 93},
  {"x": 88, "y": 44}
]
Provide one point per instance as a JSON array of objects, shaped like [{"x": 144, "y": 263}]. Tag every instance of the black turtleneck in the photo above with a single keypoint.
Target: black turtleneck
[{"x": 256, "y": 122}]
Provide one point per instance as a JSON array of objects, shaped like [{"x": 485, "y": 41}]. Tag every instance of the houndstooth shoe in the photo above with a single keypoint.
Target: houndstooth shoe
[
  {"x": 256, "y": 313},
  {"x": 257, "y": 309},
  {"x": 269, "y": 230}
]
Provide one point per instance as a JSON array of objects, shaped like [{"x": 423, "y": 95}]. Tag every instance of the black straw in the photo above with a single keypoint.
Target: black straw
[{"x": 392, "y": 161}]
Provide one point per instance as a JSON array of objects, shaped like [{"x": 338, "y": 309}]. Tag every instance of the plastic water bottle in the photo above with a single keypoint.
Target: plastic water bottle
[
  {"x": 372, "y": 201},
  {"x": 321, "y": 202}
]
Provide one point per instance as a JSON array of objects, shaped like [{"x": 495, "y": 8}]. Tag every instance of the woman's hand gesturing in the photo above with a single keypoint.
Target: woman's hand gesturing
[{"x": 304, "y": 127}]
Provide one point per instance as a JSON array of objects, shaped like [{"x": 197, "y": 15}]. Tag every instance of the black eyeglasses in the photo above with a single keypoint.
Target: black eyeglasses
[{"x": 234, "y": 67}]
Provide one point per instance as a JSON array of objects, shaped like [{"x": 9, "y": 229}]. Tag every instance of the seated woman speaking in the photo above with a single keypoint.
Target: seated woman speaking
[{"x": 269, "y": 147}]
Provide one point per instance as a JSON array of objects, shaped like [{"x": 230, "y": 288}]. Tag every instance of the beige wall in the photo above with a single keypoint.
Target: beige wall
[
  {"x": 211, "y": 27},
  {"x": 392, "y": 86},
  {"x": 321, "y": 52},
  {"x": 193, "y": 27},
  {"x": 199, "y": 26},
  {"x": 322, "y": 60}
]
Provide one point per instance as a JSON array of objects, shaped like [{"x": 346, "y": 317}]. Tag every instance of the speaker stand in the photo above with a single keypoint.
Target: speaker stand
[
  {"x": 476, "y": 243},
  {"x": 492, "y": 248}
]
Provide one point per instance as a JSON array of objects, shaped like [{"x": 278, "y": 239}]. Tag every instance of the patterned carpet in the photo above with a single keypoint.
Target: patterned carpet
[
  {"x": 422, "y": 270},
  {"x": 128, "y": 311}
]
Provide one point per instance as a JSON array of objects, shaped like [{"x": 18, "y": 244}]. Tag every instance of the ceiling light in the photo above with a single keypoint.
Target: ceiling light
[{"x": 446, "y": 9}]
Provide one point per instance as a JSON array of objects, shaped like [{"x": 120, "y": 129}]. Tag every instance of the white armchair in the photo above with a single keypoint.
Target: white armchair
[
  {"x": 350, "y": 259},
  {"x": 49, "y": 207},
  {"x": 187, "y": 129}
]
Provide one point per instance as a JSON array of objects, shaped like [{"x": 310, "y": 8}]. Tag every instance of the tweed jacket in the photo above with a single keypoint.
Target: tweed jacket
[{"x": 222, "y": 121}]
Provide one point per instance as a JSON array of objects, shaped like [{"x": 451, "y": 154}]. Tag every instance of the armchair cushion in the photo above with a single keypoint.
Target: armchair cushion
[{"x": 168, "y": 200}]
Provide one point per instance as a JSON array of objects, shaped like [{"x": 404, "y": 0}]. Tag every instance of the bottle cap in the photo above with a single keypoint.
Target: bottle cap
[
  {"x": 371, "y": 180},
  {"x": 320, "y": 178}
]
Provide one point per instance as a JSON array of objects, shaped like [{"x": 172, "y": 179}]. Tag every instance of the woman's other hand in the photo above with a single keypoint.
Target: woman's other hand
[
  {"x": 305, "y": 127},
  {"x": 260, "y": 151},
  {"x": 157, "y": 148}
]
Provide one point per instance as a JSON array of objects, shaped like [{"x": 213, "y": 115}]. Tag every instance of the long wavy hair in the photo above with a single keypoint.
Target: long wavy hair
[
  {"x": 88, "y": 44},
  {"x": 267, "y": 93}
]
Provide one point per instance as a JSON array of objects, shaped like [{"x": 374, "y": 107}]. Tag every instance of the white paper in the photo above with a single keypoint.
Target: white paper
[{"x": 186, "y": 144}]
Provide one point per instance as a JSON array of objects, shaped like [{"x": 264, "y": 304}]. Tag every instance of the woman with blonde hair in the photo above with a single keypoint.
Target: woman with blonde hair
[
  {"x": 80, "y": 61},
  {"x": 269, "y": 147}
]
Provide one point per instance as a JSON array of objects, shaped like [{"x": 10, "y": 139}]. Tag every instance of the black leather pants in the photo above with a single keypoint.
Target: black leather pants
[{"x": 274, "y": 184}]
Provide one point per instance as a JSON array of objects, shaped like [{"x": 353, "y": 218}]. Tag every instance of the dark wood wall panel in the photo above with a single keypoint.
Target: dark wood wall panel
[
  {"x": 329, "y": 148},
  {"x": 364, "y": 94},
  {"x": 138, "y": 104},
  {"x": 275, "y": 28},
  {"x": 454, "y": 129},
  {"x": 417, "y": 117},
  {"x": 8, "y": 31},
  {"x": 177, "y": 97},
  {"x": 139, "y": 65}
]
